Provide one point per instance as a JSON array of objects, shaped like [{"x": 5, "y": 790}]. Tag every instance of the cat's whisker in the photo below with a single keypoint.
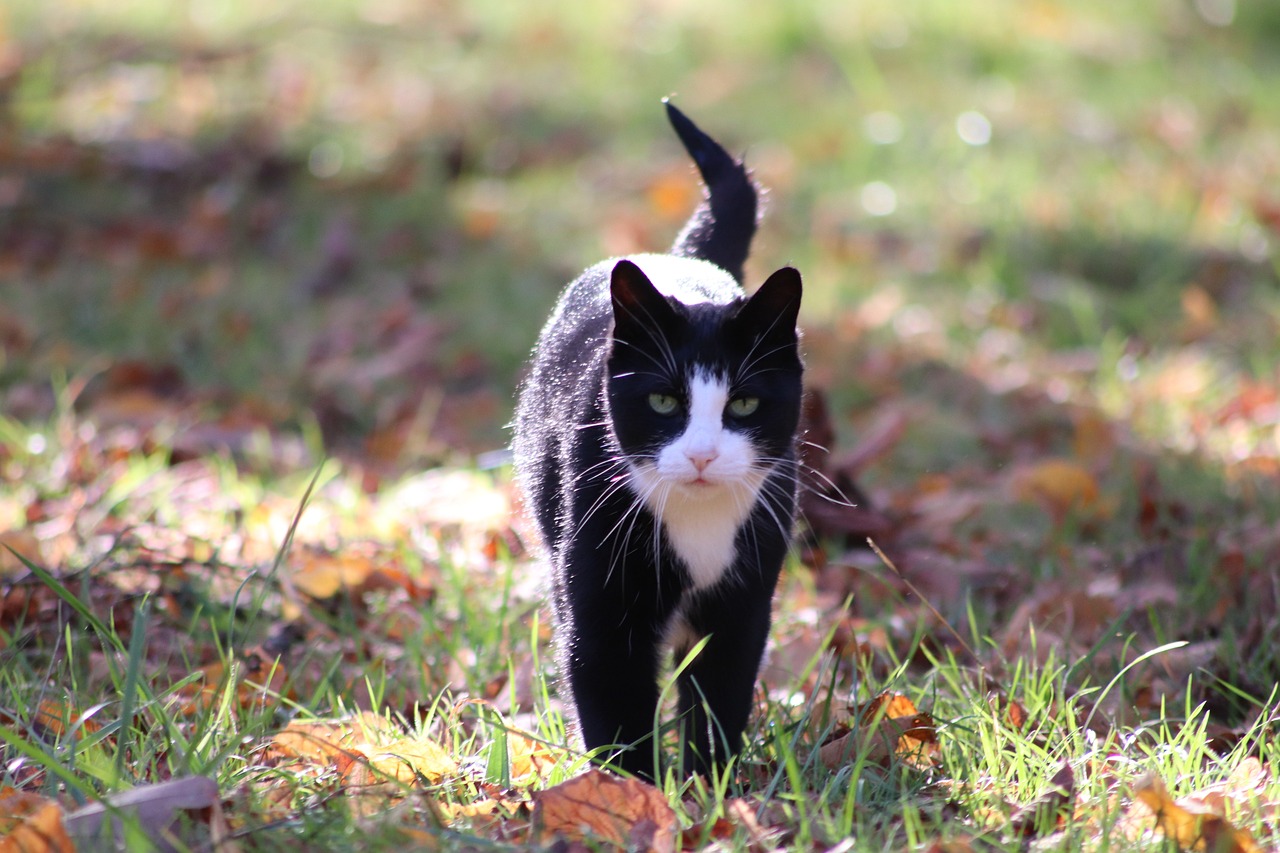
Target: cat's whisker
[
  {"x": 839, "y": 498},
  {"x": 745, "y": 372},
  {"x": 616, "y": 482},
  {"x": 669, "y": 368},
  {"x": 652, "y": 328},
  {"x": 818, "y": 447},
  {"x": 778, "y": 492}
]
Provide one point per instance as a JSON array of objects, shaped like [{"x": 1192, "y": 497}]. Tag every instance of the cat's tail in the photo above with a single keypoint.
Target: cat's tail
[{"x": 721, "y": 229}]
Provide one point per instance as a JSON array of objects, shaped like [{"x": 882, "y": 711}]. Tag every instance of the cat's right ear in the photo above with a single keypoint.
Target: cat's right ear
[{"x": 638, "y": 308}]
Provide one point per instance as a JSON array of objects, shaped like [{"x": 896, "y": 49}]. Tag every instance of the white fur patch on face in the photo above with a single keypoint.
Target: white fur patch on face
[{"x": 703, "y": 484}]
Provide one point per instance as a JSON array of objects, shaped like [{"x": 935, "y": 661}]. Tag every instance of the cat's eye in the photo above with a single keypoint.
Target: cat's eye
[
  {"x": 740, "y": 407},
  {"x": 663, "y": 404}
]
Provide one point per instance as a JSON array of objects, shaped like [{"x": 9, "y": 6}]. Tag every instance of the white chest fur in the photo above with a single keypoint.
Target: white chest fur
[{"x": 703, "y": 532}]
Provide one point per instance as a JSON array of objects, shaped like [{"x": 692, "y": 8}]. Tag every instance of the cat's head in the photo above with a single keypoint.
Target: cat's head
[{"x": 704, "y": 396}]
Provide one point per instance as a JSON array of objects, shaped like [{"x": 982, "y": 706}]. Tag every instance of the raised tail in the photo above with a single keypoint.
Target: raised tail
[{"x": 721, "y": 228}]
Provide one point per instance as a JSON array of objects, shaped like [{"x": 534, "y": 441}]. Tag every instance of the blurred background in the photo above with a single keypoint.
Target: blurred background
[{"x": 348, "y": 220}]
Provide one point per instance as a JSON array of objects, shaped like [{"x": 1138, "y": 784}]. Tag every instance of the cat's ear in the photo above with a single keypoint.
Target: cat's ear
[
  {"x": 638, "y": 307},
  {"x": 774, "y": 308}
]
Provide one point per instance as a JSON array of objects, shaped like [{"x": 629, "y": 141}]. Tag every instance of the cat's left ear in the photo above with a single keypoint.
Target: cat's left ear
[{"x": 775, "y": 306}]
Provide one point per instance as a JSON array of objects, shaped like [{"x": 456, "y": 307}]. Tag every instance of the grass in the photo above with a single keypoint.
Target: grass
[{"x": 237, "y": 241}]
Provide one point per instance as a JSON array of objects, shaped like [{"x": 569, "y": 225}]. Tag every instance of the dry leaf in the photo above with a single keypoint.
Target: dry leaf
[
  {"x": 530, "y": 756},
  {"x": 330, "y": 742},
  {"x": 1093, "y": 437},
  {"x": 1061, "y": 486},
  {"x": 157, "y": 808},
  {"x": 321, "y": 575},
  {"x": 407, "y": 759},
  {"x": 890, "y": 728},
  {"x": 1191, "y": 824},
  {"x": 602, "y": 807},
  {"x": 30, "y": 823},
  {"x": 253, "y": 676},
  {"x": 54, "y": 718},
  {"x": 24, "y": 542}
]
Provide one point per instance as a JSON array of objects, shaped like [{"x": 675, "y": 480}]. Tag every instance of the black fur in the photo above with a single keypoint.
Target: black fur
[
  {"x": 623, "y": 331},
  {"x": 721, "y": 229}
]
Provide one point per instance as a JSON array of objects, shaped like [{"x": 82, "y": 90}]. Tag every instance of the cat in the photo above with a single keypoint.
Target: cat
[{"x": 655, "y": 446}]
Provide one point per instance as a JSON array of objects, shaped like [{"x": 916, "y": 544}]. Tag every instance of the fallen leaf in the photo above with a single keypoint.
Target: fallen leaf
[
  {"x": 598, "y": 806},
  {"x": 530, "y": 756},
  {"x": 30, "y": 823},
  {"x": 1191, "y": 824},
  {"x": 23, "y": 542},
  {"x": 321, "y": 575},
  {"x": 158, "y": 808},
  {"x": 330, "y": 742},
  {"x": 1061, "y": 486},
  {"x": 889, "y": 728},
  {"x": 406, "y": 759},
  {"x": 671, "y": 195},
  {"x": 1093, "y": 437}
]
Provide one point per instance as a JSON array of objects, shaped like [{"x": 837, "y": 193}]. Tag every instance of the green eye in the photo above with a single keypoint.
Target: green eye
[
  {"x": 740, "y": 407},
  {"x": 663, "y": 404}
]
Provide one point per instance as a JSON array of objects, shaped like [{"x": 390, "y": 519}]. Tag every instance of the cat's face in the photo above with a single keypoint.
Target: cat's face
[{"x": 704, "y": 398}]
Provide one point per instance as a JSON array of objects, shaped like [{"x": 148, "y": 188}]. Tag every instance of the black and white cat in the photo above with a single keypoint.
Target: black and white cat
[{"x": 655, "y": 444}]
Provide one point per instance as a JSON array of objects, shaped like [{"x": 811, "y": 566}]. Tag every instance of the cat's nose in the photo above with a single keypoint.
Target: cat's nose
[{"x": 702, "y": 458}]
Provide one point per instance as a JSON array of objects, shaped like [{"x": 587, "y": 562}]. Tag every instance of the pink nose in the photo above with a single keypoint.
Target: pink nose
[{"x": 702, "y": 458}]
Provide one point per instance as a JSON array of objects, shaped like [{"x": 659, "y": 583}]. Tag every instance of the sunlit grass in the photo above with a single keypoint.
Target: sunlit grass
[{"x": 1018, "y": 223}]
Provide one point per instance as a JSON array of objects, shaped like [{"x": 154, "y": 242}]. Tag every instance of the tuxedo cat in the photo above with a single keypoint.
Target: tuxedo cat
[{"x": 655, "y": 443}]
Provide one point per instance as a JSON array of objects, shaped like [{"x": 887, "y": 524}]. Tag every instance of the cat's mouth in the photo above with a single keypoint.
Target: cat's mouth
[{"x": 702, "y": 483}]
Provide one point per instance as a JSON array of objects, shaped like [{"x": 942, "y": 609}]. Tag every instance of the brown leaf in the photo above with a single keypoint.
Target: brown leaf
[
  {"x": 30, "y": 823},
  {"x": 1191, "y": 824},
  {"x": 25, "y": 543},
  {"x": 408, "y": 758},
  {"x": 739, "y": 814},
  {"x": 157, "y": 808},
  {"x": 329, "y": 742},
  {"x": 1061, "y": 486},
  {"x": 889, "y": 729},
  {"x": 321, "y": 575},
  {"x": 529, "y": 755},
  {"x": 57, "y": 718},
  {"x": 602, "y": 807}
]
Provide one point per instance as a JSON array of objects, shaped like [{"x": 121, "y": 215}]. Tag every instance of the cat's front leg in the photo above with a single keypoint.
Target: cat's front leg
[
  {"x": 613, "y": 676},
  {"x": 717, "y": 686}
]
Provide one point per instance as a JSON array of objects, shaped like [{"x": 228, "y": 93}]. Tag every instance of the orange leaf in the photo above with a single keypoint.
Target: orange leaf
[
  {"x": 25, "y": 543},
  {"x": 321, "y": 575},
  {"x": 602, "y": 807},
  {"x": 31, "y": 824},
  {"x": 1191, "y": 825},
  {"x": 406, "y": 759},
  {"x": 329, "y": 742},
  {"x": 1061, "y": 486},
  {"x": 53, "y": 719},
  {"x": 529, "y": 755},
  {"x": 890, "y": 728},
  {"x": 671, "y": 195},
  {"x": 889, "y": 705}
]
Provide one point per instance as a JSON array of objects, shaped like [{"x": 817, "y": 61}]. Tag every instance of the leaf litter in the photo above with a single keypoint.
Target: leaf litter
[{"x": 1053, "y": 527}]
